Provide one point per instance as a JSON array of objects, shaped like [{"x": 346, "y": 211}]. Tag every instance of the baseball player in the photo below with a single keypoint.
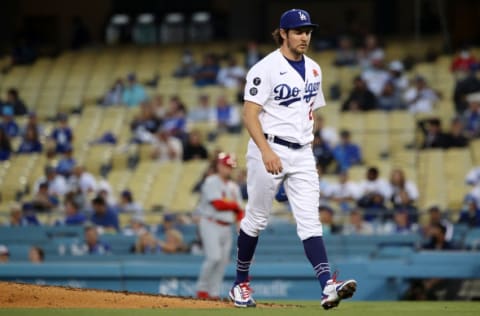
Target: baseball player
[
  {"x": 281, "y": 93},
  {"x": 220, "y": 208}
]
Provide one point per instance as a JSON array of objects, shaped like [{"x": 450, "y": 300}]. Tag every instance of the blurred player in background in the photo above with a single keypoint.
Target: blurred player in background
[{"x": 220, "y": 208}]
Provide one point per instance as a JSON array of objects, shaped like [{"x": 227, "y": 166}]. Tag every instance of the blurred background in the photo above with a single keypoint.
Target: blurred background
[{"x": 112, "y": 114}]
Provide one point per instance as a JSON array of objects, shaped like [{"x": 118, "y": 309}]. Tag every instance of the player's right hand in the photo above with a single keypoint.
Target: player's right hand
[{"x": 272, "y": 162}]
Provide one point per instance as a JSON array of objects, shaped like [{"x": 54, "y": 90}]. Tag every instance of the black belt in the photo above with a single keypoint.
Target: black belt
[{"x": 283, "y": 142}]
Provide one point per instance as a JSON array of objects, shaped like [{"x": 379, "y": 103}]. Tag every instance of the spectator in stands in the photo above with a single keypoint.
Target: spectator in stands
[
  {"x": 114, "y": 96},
  {"x": 135, "y": 227},
  {"x": 207, "y": 73},
  {"x": 73, "y": 215},
  {"x": 31, "y": 142},
  {"x": 92, "y": 245},
  {"x": 472, "y": 178},
  {"x": 176, "y": 118},
  {"x": 29, "y": 214},
  {"x": 104, "y": 189},
  {"x": 346, "y": 153},
  {"x": 16, "y": 216},
  {"x": 404, "y": 193},
  {"x": 360, "y": 98},
  {"x": 435, "y": 219},
  {"x": 5, "y": 146},
  {"x": 463, "y": 62},
  {"x": 419, "y": 97},
  {"x": 128, "y": 205},
  {"x": 429, "y": 289},
  {"x": 328, "y": 223},
  {"x": 43, "y": 201},
  {"x": 82, "y": 180},
  {"x": 232, "y": 75},
  {"x": 57, "y": 186},
  {"x": 145, "y": 124},
  {"x": 167, "y": 147},
  {"x": 252, "y": 55},
  {"x": 357, "y": 225},
  {"x": 456, "y": 137},
  {"x": 36, "y": 255},
  {"x": 390, "y": 99},
  {"x": 344, "y": 192},
  {"x": 158, "y": 107},
  {"x": 62, "y": 134},
  {"x": 104, "y": 216},
  {"x": 147, "y": 243},
  {"x": 194, "y": 148},
  {"x": 4, "y": 254},
  {"x": 133, "y": 93},
  {"x": 401, "y": 224},
  {"x": 470, "y": 214},
  {"x": 173, "y": 242},
  {"x": 66, "y": 163},
  {"x": 14, "y": 102},
  {"x": 471, "y": 116},
  {"x": 397, "y": 76},
  {"x": 376, "y": 76},
  {"x": 371, "y": 50},
  {"x": 328, "y": 133},
  {"x": 374, "y": 192},
  {"x": 345, "y": 55},
  {"x": 170, "y": 221},
  {"x": 438, "y": 240},
  {"x": 463, "y": 87},
  {"x": 227, "y": 116},
  {"x": 322, "y": 152},
  {"x": 8, "y": 123},
  {"x": 187, "y": 65},
  {"x": 32, "y": 121},
  {"x": 21, "y": 217},
  {"x": 434, "y": 136},
  {"x": 203, "y": 111}
]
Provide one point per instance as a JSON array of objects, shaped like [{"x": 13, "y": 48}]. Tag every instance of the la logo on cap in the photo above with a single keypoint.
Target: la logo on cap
[{"x": 303, "y": 17}]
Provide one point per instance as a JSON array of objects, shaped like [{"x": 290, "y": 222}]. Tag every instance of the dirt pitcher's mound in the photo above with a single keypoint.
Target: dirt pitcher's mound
[{"x": 27, "y": 295}]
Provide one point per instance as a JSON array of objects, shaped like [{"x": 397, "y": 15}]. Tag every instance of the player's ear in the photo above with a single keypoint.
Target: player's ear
[{"x": 284, "y": 33}]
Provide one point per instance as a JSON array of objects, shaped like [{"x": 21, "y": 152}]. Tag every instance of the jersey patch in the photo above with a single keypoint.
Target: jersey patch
[
  {"x": 257, "y": 81},
  {"x": 253, "y": 91}
]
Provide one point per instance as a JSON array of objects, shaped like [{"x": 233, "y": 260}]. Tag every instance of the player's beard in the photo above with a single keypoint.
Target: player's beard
[{"x": 297, "y": 50}]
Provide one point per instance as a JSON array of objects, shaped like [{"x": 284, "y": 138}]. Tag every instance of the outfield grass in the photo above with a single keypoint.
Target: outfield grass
[{"x": 296, "y": 308}]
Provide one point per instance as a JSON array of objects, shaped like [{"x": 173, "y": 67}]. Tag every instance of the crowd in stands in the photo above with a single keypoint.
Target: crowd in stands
[{"x": 374, "y": 205}]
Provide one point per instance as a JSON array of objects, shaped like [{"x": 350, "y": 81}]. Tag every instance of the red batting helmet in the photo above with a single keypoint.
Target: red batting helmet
[{"x": 227, "y": 160}]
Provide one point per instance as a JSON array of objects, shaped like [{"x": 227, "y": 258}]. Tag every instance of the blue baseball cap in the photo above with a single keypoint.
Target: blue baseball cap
[{"x": 296, "y": 18}]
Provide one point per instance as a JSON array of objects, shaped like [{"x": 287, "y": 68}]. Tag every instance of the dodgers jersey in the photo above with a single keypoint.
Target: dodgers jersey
[
  {"x": 214, "y": 188},
  {"x": 287, "y": 100}
]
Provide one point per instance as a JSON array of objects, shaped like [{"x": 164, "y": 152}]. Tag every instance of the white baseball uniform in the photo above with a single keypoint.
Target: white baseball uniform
[
  {"x": 287, "y": 102},
  {"x": 215, "y": 229}
]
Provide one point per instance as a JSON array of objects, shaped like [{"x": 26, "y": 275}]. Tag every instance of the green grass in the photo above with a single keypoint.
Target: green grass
[{"x": 297, "y": 308}]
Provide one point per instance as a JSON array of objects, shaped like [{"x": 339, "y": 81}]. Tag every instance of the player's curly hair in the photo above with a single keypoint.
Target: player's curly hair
[{"x": 277, "y": 37}]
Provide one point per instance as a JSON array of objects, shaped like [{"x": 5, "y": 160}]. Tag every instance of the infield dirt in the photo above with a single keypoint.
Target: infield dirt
[{"x": 37, "y": 296}]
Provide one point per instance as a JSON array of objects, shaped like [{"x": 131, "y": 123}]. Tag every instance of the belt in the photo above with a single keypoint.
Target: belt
[
  {"x": 283, "y": 142},
  {"x": 219, "y": 222}
]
